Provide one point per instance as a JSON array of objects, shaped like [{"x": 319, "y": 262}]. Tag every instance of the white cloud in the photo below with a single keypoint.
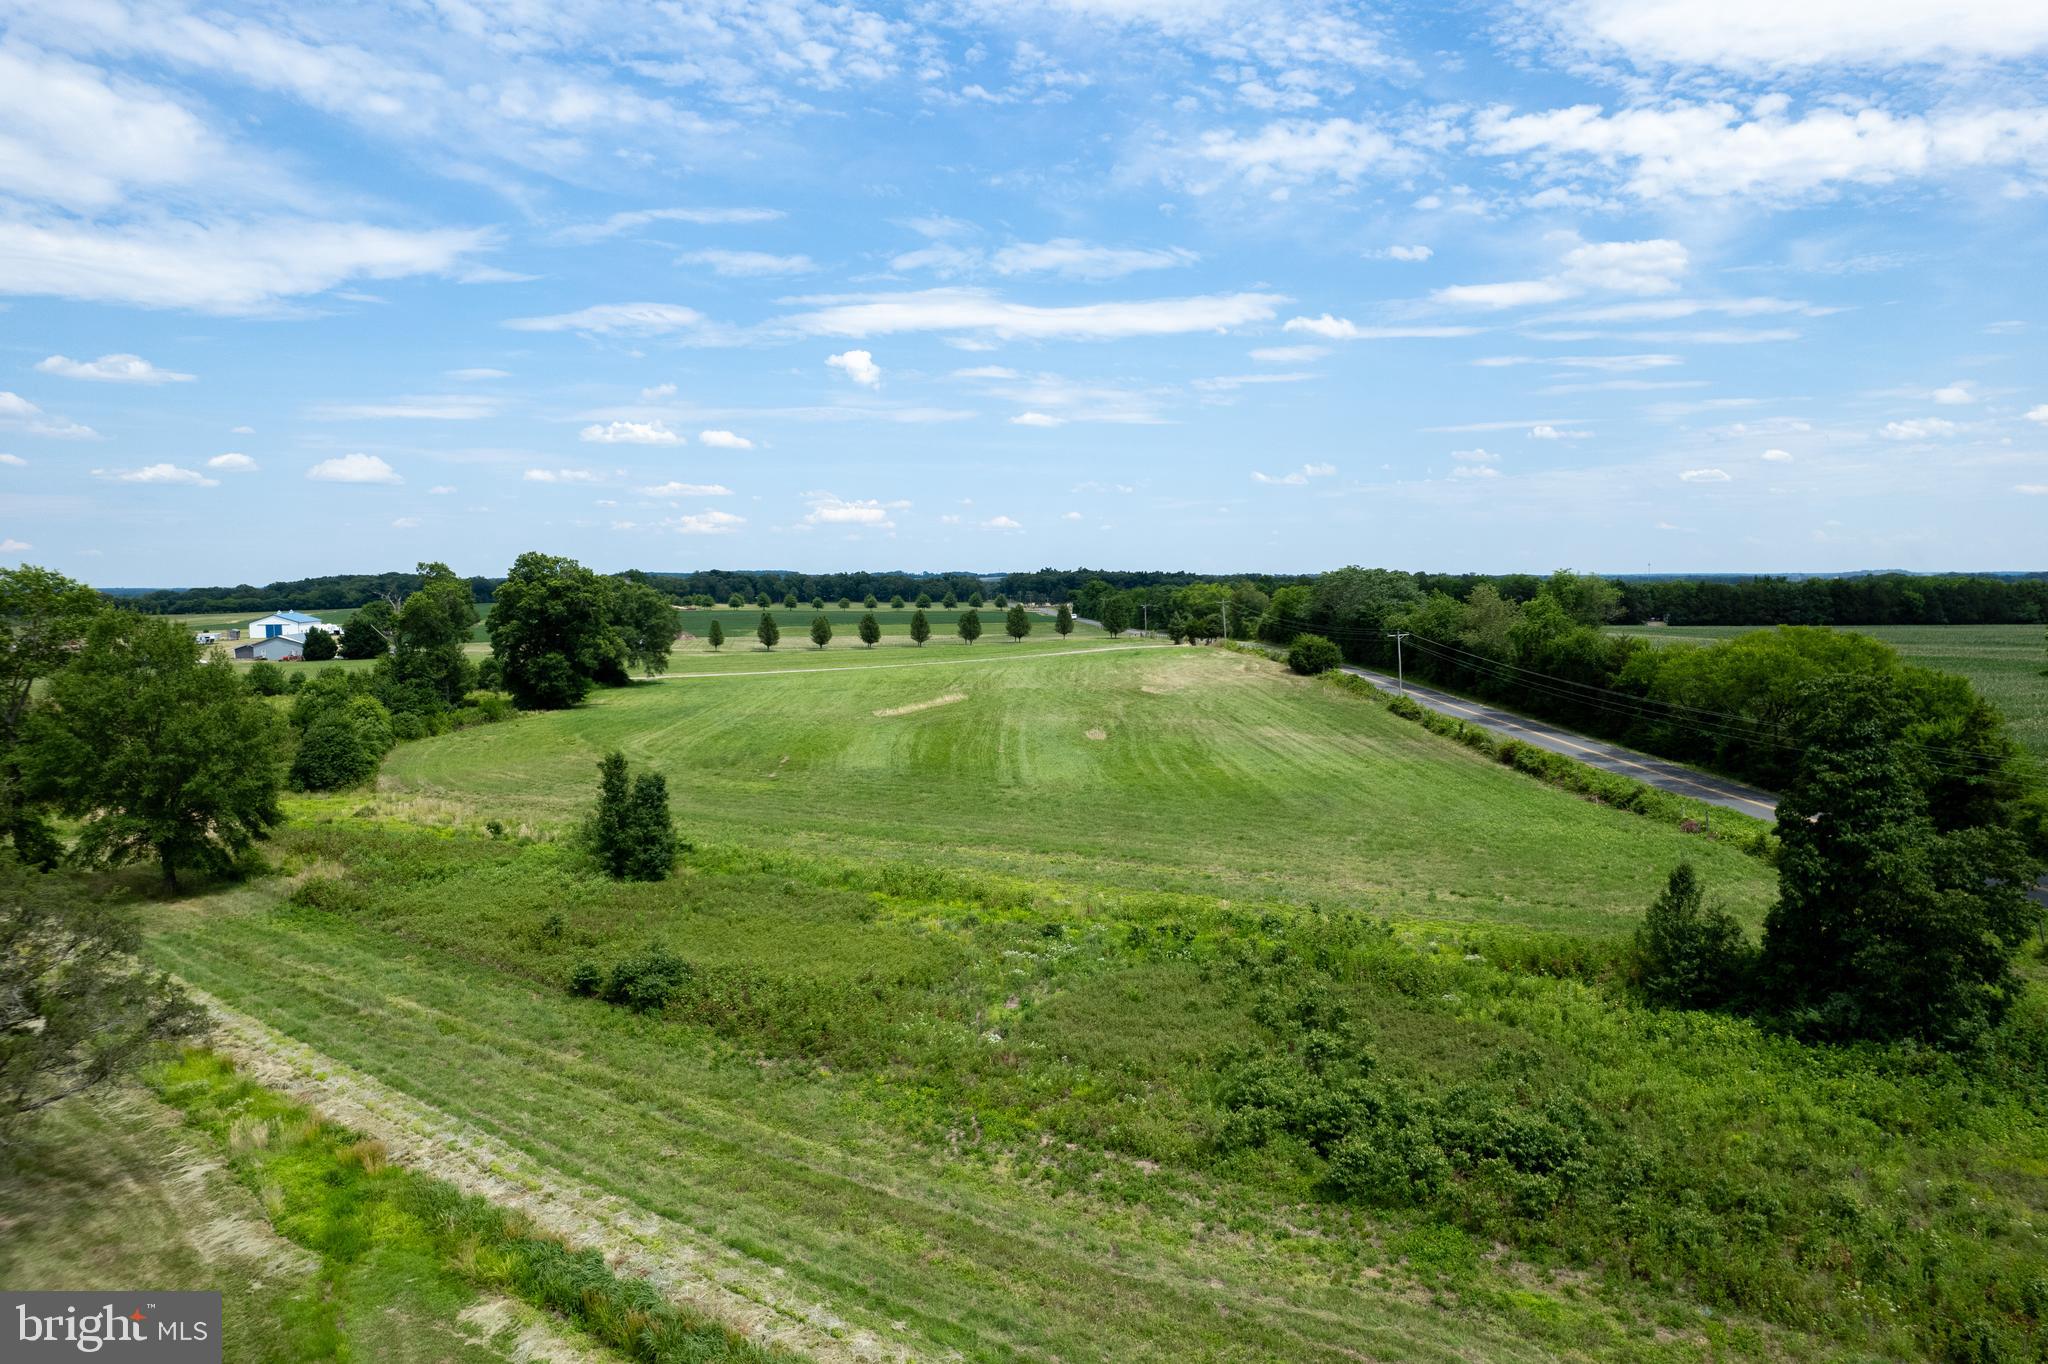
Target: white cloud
[
  {"x": 479, "y": 373},
  {"x": 1293, "y": 151},
  {"x": 857, "y": 365},
  {"x": 830, "y": 510},
  {"x": 1713, "y": 149},
  {"x": 160, "y": 473},
  {"x": 561, "y": 476},
  {"x": 2030, "y": 489},
  {"x": 1297, "y": 477},
  {"x": 1288, "y": 355},
  {"x": 71, "y": 134},
  {"x": 241, "y": 430},
  {"x": 1475, "y": 471},
  {"x": 441, "y": 490},
  {"x": 631, "y": 433},
  {"x": 1918, "y": 428},
  {"x": 976, "y": 310},
  {"x": 1037, "y": 419},
  {"x": 13, "y": 461},
  {"x": 111, "y": 369},
  {"x": 1768, "y": 35},
  {"x": 13, "y": 546},
  {"x": 1545, "y": 431},
  {"x": 218, "y": 266},
  {"x": 657, "y": 393},
  {"x": 356, "y": 468},
  {"x": 724, "y": 440},
  {"x": 747, "y": 264},
  {"x": 232, "y": 463},
  {"x": 673, "y": 489},
  {"x": 1408, "y": 253},
  {"x": 406, "y": 522},
  {"x": 707, "y": 523},
  {"x": 1075, "y": 259},
  {"x": 701, "y": 217},
  {"x": 1704, "y": 476},
  {"x": 1777, "y": 456},
  {"x": 1071, "y": 516},
  {"x": 2038, "y": 414},
  {"x": 1479, "y": 455},
  {"x": 1003, "y": 523},
  {"x": 16, "y": 410},
  {"x": 1958, "y": 394},
  {"x": 640, "y": 319},
  {"x": 1344, "y": 329},
  {"x": 1638, "y": 267}
]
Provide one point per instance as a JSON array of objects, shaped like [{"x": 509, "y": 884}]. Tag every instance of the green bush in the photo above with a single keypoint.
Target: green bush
[
  {"x": 1312, "y": 654},
  {"x": 265, "y": 678},
  {"x": 332, "y": 755},
  {"x": 1688, "y": 954},
  {"x": 646, "y": 981},
  {"x": 406, "y": 726}
]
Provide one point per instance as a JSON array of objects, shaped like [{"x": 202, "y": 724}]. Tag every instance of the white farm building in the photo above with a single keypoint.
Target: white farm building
[{"x": 290, "y": 625}]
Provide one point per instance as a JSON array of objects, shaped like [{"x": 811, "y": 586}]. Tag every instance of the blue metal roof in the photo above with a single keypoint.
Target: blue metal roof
[{"x": 300, "y": 617}]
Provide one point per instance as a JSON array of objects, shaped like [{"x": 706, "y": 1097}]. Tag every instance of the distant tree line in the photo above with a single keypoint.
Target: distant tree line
[{"x": 1872, "y": 599}]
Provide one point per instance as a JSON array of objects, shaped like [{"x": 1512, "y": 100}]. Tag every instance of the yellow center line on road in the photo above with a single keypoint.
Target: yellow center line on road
[{"x": 1555, "y": 737}]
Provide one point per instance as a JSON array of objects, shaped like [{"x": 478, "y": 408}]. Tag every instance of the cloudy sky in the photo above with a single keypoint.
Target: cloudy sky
[{"x": 1615, "y": 284}]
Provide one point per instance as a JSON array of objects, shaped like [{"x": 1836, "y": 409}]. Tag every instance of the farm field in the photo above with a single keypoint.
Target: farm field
[
  {"x": 949, "y": 1067},
  {"x": 2008, "y": 664},
  {"x": 1140, "y": 767}
]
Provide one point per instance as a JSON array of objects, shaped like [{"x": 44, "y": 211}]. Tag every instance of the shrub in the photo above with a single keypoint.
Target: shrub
[
  {"x": 340, "y": 749},
  {"x": 319, "y": 647},
  {"x": 1312, "y": 654},
  {"x": 407, "y": 726},
  {"x": 265, "y": 678},
  {"x": 647, "y": 981},
  {"x": 1688, "y": 954},
  {"x": 631, "y": 832}
]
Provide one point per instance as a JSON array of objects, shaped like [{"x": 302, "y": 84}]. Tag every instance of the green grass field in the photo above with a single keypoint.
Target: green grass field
[
  {"x": 1143, "y": 767},
  {"x": 2008, "y": 664}
]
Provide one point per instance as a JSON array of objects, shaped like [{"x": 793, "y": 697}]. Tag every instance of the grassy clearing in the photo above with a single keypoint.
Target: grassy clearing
[
  {"x": 1218, "y": 774},
  {"x": 2008, "y": 664},
  {"x": 991, "y": 1120}
]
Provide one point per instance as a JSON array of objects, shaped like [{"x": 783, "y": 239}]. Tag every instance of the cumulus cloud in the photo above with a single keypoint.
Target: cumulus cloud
[
  {"x": 673, "y": 489},
  {"x": 441, "y": 490},
  {"x": 1777, "y": 456},
  {"x": 1545, "y": 431},
  {"x": 2030, "y": 489},
  {"x": 828, "y": 509},
  {"x": 724, "y": 440},
  {"x": 1651, "y": 266},
  {"x": 479, "y": 373},
  {"x": 977, "y": 310},
  {"x": 1958, "y": 394},
  {"x": 1037, "y": 419},
  {"x": 1704, "y": 476},
  {"x": 18, "y": 411},
  {"x": 356, "y": 468},
  {"x": 561, "y": 476},
  {"x": 1344, "y": 329},
  {"x": 857, "y": 365},
  {"x": 707, "y": 523},
  {"x": 1918, "y": 428},
  {"x": 631, "y": 433},
  {"x": 1715, "y": 149},
  {"x": 1769, "y": 35},
  {"x": 120, "y": 368},
  {"x": 655, "y": 393},
  {"x": 747, "y": 264},
  {"x": 1408, "y": 253},
  {"x": 1297, "y": 477},
  {"x": 405, "y": 523},
  {"x": 1474, "y": 471},
  {"x": 232, "y": 463},
  {"x": 2038, "y": 414},
  {"x": 635, "y": 319},
  {"x": 160, "y": 473},
  {"x": 1071, "y": 516},
  {"x": 13, "y": 461},
  {"x": 1294, "y": 151},
  {"x": 1003, "y": 523},
  {"x": 13, "y": 546}
]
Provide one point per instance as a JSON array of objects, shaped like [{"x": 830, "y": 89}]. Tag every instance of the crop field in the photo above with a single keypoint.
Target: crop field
[
  {"x": 1134, "y": 766},
  {"x": 2008, "y": 664}
]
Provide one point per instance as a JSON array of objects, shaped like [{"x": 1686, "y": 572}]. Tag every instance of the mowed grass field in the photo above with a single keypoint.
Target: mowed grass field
[
  {"x": 1135, "y": 767},
  {"x": 2008, "y": 664}
]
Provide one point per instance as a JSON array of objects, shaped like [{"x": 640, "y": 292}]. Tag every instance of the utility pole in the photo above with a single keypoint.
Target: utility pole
[
  {"x": 1146, "y": 607},
  {"x": 1226, "y": 619},
  {"x": 1400, "y": 668}
]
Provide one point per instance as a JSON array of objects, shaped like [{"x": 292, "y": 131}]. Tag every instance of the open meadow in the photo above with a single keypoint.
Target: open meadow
[
  {"x": 2007, "y": 664},
  {"x": 996, "y": 983}
]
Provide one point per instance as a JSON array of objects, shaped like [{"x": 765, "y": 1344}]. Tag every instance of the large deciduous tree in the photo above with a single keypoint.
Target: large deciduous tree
[
  {"x": 645, "y": 622},
  {"x": 551, "y": 632},
  {"x": 158, "y": 754},
  {"x": 42, "y": 616},
  {"x": 429, "y": 632}
]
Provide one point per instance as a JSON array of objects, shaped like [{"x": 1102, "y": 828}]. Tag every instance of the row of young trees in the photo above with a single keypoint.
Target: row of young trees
[{"x": 1017, "y": 624}]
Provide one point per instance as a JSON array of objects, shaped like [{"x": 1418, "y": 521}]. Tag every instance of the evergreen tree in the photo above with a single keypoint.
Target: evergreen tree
[
  {"x": 717, "y": 633},
  {"x": 1063, "y": 623},
  {"x": 1017, "y": 623},
  {"x": 319, "y": 647},
  {"x": 870, "y": 629},
  {"x": 650, "y": 830},
  {"x": 821, "y": 630},
  {"x": 969, "y": 627},
  {"x": 920, "y": 629},
  {"x": 1690, "y": 956},
  {"x": 767, "y": 631}
]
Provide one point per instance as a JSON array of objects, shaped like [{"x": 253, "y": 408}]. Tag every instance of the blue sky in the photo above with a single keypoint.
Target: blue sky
[{"x": 1614, "y": 284}]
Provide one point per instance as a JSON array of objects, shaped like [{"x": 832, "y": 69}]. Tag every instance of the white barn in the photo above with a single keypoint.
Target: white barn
[{"x": 290, "y": 625}]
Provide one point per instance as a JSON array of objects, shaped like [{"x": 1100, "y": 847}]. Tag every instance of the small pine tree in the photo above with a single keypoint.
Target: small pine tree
[
  {"x": 870, "y": 629},
  {"x": 970, "y": 626},
  {"x": 717, "y": 634},
  {"x": 650, "y": 852},
  {"x": 821, "y": 630},
  {"x": 920, "y": 629},
  {"x": 1063, "y": 623},
  {"x": 1689, "y": 955},
  {"x": 604, "y": 832},
  {"x": 1017, "y": 623},
  {"x": 768, "y": 631}
]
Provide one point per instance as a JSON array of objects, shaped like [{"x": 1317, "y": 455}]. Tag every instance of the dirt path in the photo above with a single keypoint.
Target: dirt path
[{"x": 684, "y": 1266}]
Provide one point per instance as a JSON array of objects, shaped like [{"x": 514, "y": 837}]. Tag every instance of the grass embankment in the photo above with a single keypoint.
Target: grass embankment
[
  {"x": 988, "y": 1119},
  {"x": 2007, "y": 664},
  {"x": 1177, "y": 771}
]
